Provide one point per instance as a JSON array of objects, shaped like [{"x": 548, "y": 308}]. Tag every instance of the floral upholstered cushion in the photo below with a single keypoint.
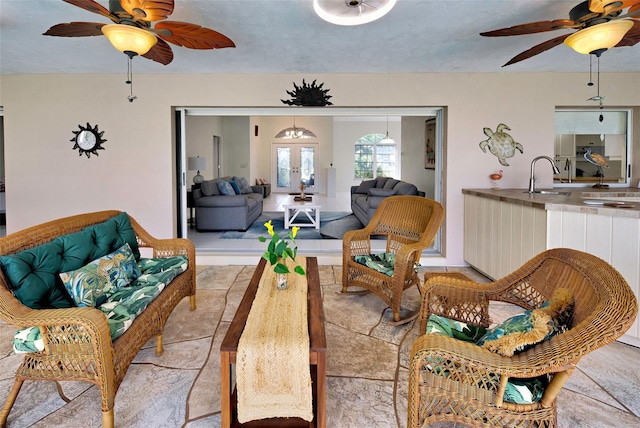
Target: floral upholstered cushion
[
  {"x": 91, "y": 284},
  {"x": 123, "y": 305},
  {"x": 452, "y": 328},
  {"x": 383, "y": 263},
  {"x": 519, "y": 391}
]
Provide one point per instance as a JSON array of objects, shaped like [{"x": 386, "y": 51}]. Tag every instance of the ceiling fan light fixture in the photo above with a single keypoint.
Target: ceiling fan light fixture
[
  {"x": 599, "y": 37},
  {"x": 127, "y": 38},
  {"x": 352, "y": 12}
]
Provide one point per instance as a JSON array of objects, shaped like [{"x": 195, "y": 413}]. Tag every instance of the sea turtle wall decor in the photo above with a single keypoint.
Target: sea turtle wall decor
[{"x": 500, "y": 143}]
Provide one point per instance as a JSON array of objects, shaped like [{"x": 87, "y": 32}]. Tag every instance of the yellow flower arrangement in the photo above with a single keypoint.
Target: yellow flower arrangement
[{"x": 278, "y": 249}]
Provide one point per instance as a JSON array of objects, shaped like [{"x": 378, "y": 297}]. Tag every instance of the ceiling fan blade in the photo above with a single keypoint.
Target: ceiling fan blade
[
  {"x": 537, "y": 49},
  {"x": 160, "y": 52},
  {"x": 632, "y": 37},
  {"x": 192, "y": 36},
  {"x": 92, "y": 6},
  {"x": 148, "y": 10},
  {"x": 76, "y": 29},
  {"x": 532, "y": 27}
]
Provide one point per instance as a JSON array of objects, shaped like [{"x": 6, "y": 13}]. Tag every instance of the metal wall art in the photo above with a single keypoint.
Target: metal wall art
[
  {"x": 500, "y": 143},
  {"x": 88, "y": 140},
  {"x": 308, "y": 95}
]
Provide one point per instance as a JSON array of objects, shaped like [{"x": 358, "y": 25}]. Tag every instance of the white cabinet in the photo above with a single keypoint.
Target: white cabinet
[{"x": 499, "y": 236}]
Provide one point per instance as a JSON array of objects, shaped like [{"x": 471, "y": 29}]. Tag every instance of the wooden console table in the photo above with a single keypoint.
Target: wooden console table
[{"x": 317, "y": 354}]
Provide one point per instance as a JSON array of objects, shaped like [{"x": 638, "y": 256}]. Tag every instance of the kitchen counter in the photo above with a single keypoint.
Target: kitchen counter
[{"x": 573, "y": 202}]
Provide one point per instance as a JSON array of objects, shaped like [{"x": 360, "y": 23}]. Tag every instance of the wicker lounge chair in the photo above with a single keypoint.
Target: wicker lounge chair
[
  {"x": 410, "y": 224},
  {"x": 456, "y": 381}
]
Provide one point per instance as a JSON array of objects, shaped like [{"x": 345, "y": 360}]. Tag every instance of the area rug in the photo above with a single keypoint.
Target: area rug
[{"x": 333, "y": 225}]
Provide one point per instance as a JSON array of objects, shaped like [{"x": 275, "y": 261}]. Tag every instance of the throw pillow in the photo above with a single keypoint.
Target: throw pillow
[
  {"x": 243, "y": 183},
  {"x": 91, "y": 284},
  {"x": 381, "y": 192},
  {"x": 225, "y": 188},
  {"x": 210, "y": 188},
  {"x": 236, "y": 188},
  {"x": 365, "y": 186},
  {"x": 520, "y": 332}
]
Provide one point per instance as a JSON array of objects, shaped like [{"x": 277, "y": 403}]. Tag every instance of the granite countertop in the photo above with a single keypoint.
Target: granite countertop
[{"x": 617, "y": 202}]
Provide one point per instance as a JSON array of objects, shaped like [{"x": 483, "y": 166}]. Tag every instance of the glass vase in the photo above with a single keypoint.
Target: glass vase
[{"x": 281, "y": 281}]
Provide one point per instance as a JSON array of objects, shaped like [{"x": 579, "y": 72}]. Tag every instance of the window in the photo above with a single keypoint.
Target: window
[{"x": 375, "y": 157}]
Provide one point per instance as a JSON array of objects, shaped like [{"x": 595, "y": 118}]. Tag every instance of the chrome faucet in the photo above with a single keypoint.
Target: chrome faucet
[{"x": 532, "y": 181}]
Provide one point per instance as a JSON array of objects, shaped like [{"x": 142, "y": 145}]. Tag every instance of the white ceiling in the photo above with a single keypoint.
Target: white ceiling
[{"x": 285, "y": 36}]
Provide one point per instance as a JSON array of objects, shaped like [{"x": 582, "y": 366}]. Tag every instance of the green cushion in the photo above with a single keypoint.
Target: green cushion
[
  {"x": 519, "y": 391},
  {"x": 93, "y": 283},
  {"x": 33, "y": 274},
  {"x": 383, "y": 263},
  {"x": 123, "y": 306},
  {"x": 453, "y": 328}
]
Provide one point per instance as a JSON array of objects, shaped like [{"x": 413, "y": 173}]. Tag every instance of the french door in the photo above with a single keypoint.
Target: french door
[{"x": 294, "y": 164}]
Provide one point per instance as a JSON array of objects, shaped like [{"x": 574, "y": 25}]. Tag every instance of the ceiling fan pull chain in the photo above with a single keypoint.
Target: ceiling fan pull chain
[
  {"x": 590, "y": 74},
  {"x": 129, "y": 81}
]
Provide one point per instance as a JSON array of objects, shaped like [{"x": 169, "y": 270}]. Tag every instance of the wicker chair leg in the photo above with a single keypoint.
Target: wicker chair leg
[
  {"x": 403, "y": 316},
  {"x": 159, "y": 348},
  {"x": 107, "y": 419},
  {"x": 192, "y": 302},
  {"x": 8, "y": 404},
  {"x": 353, "y": 292}
]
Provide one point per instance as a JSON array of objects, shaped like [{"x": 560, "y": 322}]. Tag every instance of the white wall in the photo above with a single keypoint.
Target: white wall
[{"x": 46, "y": 179}]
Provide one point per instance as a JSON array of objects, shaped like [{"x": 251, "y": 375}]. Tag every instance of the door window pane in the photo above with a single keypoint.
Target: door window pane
[
  {"x": 307, "y": 162},
  {"x": 284, "y": 167}
]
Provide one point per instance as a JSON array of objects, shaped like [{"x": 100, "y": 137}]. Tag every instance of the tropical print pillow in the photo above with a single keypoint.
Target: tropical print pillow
[{"x": 91, "y": 284}]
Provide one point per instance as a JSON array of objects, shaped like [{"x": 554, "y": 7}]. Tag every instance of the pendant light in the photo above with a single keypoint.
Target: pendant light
[
  {"x": 387, "y": 139},
  {"x": 295, "y": 132}
]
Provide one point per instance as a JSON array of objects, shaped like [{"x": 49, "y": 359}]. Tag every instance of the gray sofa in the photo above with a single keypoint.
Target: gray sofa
[
  {"x": 366, "y": 197},
  {"x": 216, "y": 211}
]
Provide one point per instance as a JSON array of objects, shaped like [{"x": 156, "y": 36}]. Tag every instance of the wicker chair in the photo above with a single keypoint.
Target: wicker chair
[
  {"x": 410, "y": 224},
  {"x": 472, "y": 392}
]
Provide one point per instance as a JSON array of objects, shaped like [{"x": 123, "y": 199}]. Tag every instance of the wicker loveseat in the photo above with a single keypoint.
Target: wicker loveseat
[
  {"x": 77, "y": 340},
  {"x": 457, "y": 381}
]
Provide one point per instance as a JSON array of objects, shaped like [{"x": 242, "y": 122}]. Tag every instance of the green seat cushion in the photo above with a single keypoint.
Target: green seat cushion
[
  {"x": 91, "y": 284},
  {"x": 383, "y": 263},
  {"x": 519, "y": 391},
  {"x": 123, "y": 305},
  {"x": 33, "y": 274}
]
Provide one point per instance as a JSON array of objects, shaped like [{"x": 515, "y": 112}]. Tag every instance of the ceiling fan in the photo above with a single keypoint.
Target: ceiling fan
[
  {"x": 599, "y": 17},
  {"x": 135, "y": 18}
]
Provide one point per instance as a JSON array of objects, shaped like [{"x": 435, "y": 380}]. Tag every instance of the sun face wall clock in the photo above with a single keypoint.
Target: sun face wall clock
[{"x": 88, "y": 140}]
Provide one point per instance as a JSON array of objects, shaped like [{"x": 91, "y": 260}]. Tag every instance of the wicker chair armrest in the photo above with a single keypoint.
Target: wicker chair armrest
[
  {"x": 356, "y": 243},
  {"x": 457, "y": 299}
]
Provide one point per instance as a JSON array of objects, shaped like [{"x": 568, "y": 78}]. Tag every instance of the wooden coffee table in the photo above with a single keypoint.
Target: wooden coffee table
[
  {"x": 317, "y": 355},
  {"x": 293, "y": 209}
]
